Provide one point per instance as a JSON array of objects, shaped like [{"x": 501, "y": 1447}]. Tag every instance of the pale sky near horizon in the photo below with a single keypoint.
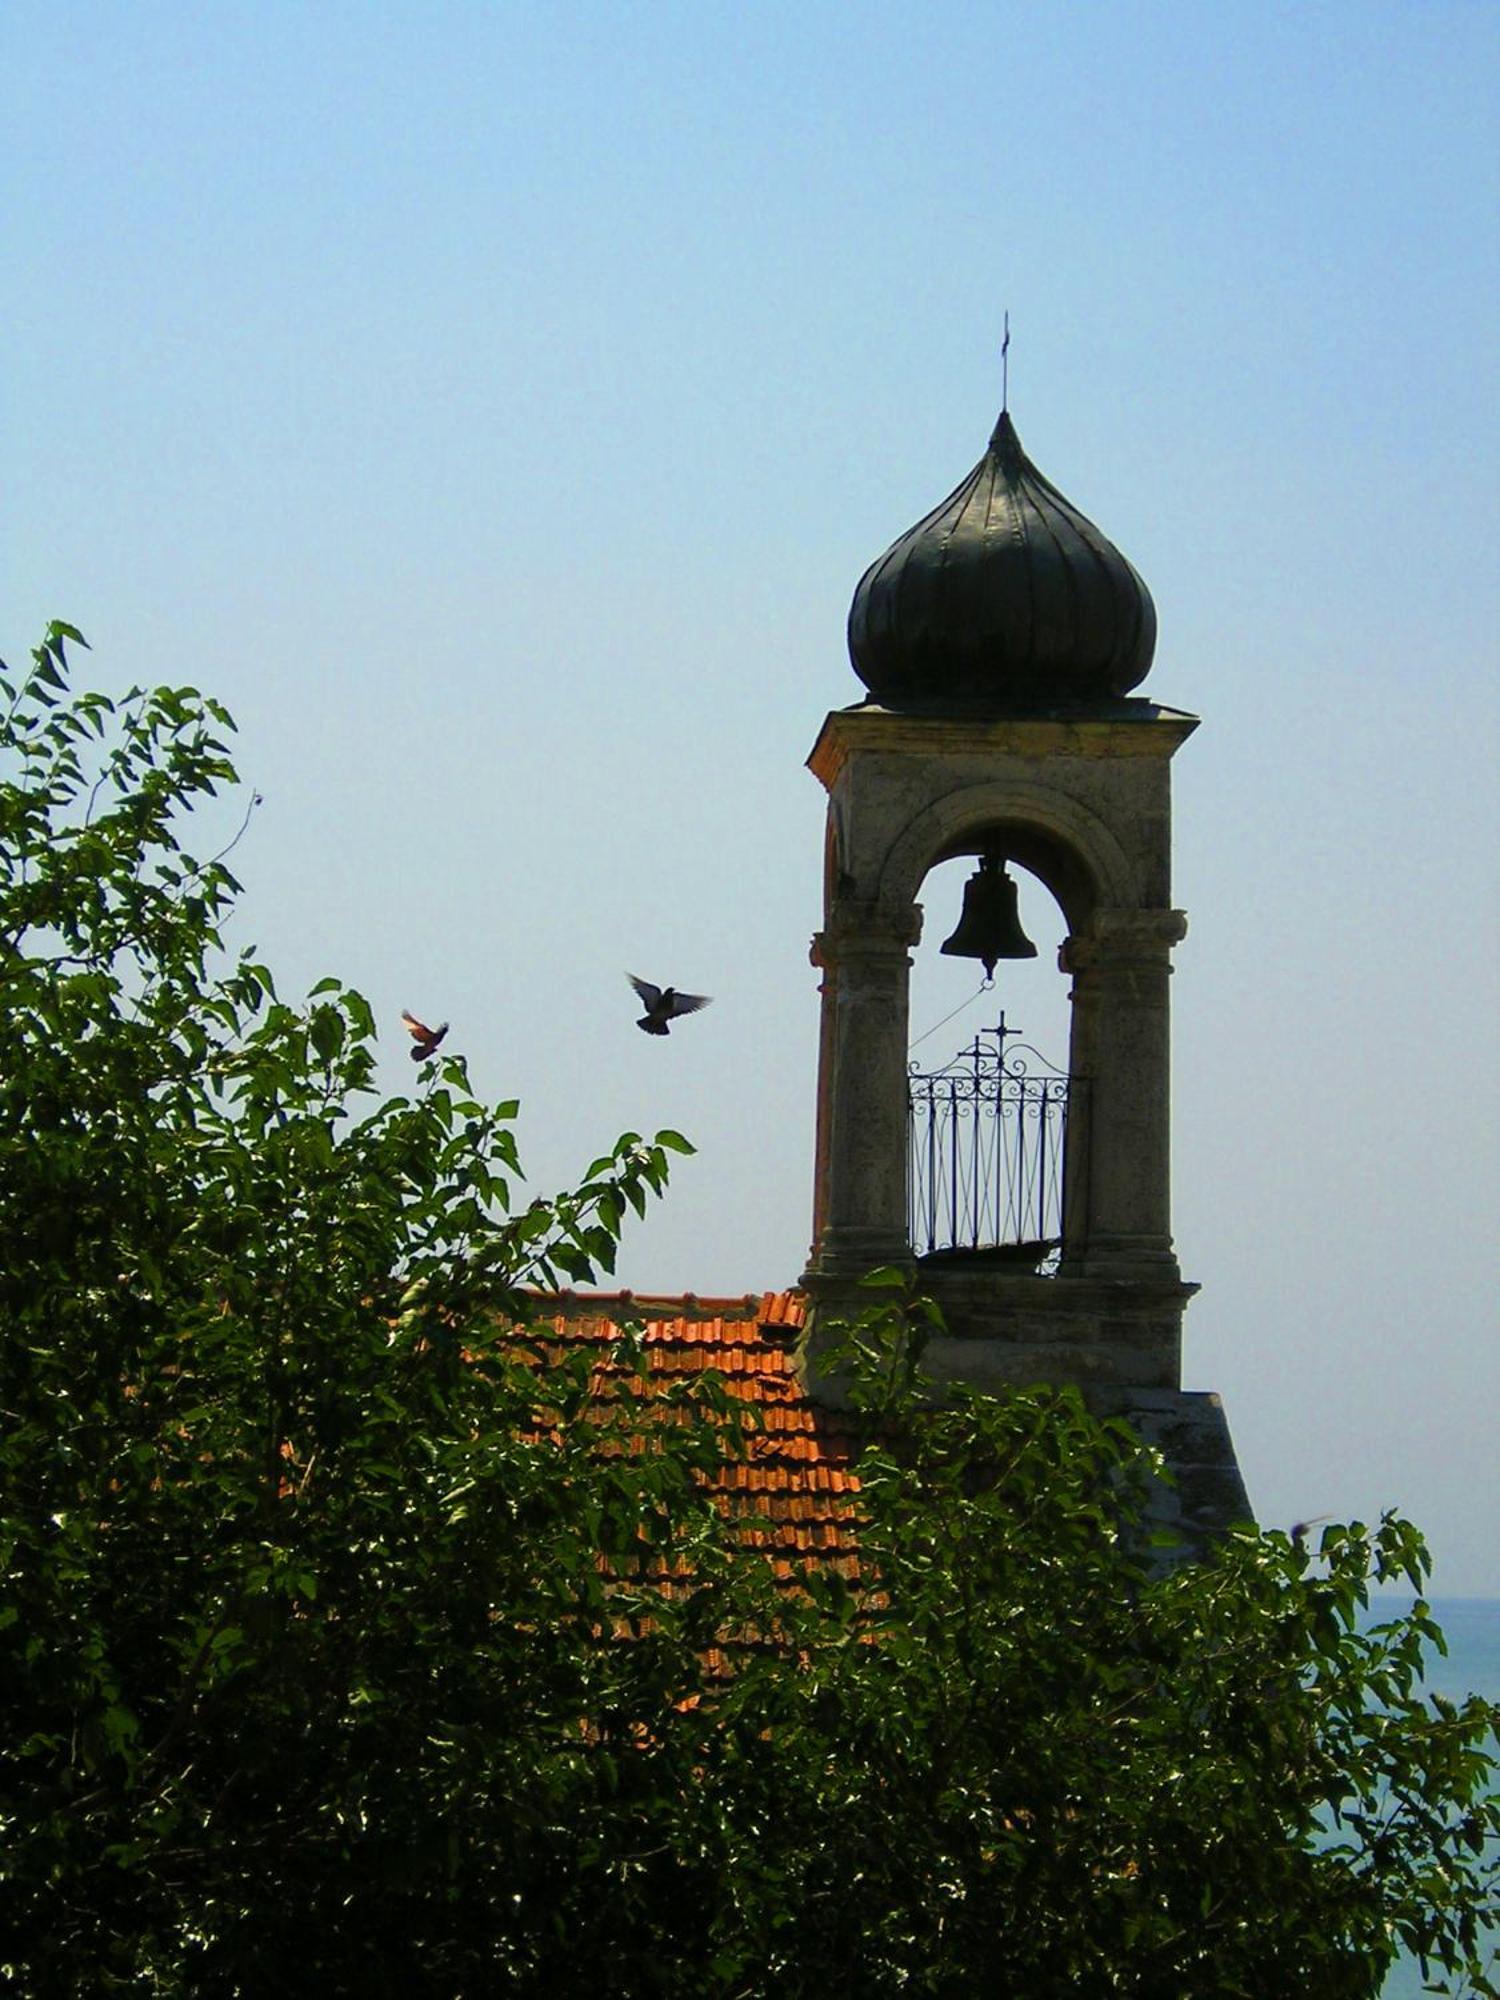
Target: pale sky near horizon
[{"x": 496, "y": 405}]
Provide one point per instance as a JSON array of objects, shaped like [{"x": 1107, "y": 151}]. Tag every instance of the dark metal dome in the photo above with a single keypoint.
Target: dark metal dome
[{"x": 1004, "y": 597}]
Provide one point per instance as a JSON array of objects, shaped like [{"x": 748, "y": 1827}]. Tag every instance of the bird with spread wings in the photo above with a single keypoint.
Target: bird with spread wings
[
  {"x": 663, "y": 1005},
  {"x": 424, "y": 1039}
]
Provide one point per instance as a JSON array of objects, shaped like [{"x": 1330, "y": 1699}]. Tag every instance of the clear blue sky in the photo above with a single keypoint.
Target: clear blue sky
[{"x": 496, "y": 406}]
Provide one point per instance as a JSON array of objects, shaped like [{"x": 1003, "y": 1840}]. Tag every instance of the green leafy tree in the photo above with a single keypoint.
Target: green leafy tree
[{"x": 354, "y": 1642}]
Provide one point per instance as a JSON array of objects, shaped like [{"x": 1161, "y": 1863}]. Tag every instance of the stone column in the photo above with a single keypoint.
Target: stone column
[
  {"x": 827, "y": 1054},
  {"x": 1120, "y": 971},
  {"x": 1083, "y": 1066},
  {"x": 861, "y": 1199}
]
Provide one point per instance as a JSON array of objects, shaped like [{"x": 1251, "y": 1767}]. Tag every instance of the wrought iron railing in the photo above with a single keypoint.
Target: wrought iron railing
[{"x": 987, "y": 1152}]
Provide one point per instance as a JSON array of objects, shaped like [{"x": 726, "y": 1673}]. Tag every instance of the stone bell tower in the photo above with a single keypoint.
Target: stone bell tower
[{"x": 1000, "y": 640}]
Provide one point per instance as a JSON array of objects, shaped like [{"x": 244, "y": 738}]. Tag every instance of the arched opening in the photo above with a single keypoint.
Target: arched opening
[
  {"x": 949, "y": 996},
  {"x": 992, "y": 1071}
]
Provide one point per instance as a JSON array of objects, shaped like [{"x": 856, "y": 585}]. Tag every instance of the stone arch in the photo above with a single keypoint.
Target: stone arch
[{"x": 1059, "y": 839}]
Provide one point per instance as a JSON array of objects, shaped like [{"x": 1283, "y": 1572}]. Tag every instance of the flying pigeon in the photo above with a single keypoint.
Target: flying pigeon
[
  {"x": 1299, "y": 1531},
  {"x": 425, "y": 1039},
  {"x": 663, "y": 1004}
]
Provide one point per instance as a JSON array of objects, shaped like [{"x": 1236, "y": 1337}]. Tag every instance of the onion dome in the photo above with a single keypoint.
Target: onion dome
[{"x": 1004, "y": 597}]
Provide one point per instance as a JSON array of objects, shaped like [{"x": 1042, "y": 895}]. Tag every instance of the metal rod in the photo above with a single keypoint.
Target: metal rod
[{"x": 952, "y": 1169}]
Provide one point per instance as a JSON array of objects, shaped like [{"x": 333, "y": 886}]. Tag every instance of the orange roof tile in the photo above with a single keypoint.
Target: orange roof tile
[{"x": 797, "y": 1481}]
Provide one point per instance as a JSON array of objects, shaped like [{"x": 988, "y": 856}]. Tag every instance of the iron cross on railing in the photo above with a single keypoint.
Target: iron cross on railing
[{"x": 978, "y": 1054}]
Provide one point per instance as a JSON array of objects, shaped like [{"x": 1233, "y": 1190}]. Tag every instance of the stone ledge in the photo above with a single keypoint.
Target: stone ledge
[
  {"x": 1012, "y": 1363},
  {"x": 1011, "y": 1328},
  {"x": 1065, "y": 1294}
]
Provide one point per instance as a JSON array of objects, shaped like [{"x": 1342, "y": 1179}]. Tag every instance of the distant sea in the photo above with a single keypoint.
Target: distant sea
[{"x": 1471, "y": 1625}]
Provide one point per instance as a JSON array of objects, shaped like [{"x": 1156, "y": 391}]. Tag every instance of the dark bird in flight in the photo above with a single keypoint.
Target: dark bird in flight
[
  {"x": 1299, "y": 1531},
  {"x": 663, "y": 1004},
  {"x": 424, "y": 1039}
]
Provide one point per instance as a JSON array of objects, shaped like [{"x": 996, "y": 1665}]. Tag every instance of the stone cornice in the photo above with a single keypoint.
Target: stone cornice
[{"x": 1126, "y": 729}]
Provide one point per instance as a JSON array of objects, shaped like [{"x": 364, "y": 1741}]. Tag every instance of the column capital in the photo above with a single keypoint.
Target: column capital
[
  {"x": 1123, "y": 937},
  {"x": 867, "y": 930}
]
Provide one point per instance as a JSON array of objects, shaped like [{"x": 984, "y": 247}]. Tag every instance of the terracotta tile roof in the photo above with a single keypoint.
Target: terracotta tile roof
[{"x": 797, "y": 1479}]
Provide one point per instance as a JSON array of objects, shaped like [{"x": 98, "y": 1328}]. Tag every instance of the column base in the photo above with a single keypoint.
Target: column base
[
  {"x": 845, "y": 1254},
  {"x": 1150, "y": 1258}
]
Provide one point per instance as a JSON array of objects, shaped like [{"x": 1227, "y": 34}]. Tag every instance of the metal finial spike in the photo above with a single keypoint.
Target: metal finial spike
[{"x": 1005, "y": 367}]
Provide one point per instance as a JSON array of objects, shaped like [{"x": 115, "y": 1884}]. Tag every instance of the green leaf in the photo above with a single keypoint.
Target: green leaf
[{"x": 326, "y": 1030}]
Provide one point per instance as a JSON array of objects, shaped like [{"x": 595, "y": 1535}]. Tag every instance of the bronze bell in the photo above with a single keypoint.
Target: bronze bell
[{"x": 989, "y": 927}]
